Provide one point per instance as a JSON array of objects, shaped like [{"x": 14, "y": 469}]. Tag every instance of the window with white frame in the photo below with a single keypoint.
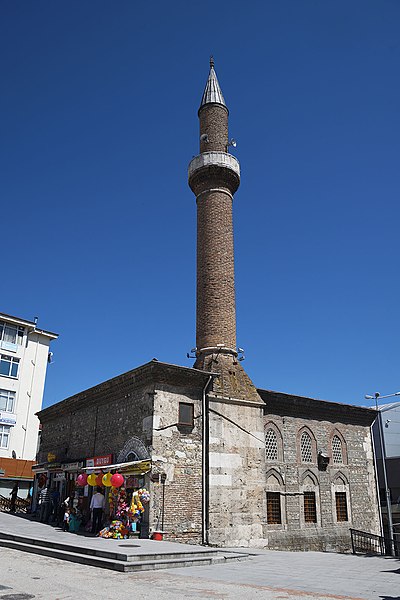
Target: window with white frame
[
  {"x": 7, "y": 401},
  {"x": 13, "y": 334},
  {"x": 9, "y": 365},
  {"x": 4, "y": 436},
  {"x": 337, "y": 452}
]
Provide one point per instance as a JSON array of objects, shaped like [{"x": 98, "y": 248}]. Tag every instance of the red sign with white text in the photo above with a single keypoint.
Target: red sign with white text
[{"x": 99, "y": 461}]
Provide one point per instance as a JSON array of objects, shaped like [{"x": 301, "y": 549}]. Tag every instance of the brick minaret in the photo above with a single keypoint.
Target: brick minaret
[{"x": 214, "y": 176}]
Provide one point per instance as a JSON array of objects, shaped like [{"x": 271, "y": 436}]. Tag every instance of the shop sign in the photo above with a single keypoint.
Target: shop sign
[
  {"x": 51, "y": 457},
  {"x": 7, "y": 418},
  {"x": 99, "y": 461},
  {"x": 75, "y": 466},
  {"x": 59, "y": 476}
]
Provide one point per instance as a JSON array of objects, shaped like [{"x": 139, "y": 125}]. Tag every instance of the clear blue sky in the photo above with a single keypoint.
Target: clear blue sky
[{"x": 99, "y": 122}]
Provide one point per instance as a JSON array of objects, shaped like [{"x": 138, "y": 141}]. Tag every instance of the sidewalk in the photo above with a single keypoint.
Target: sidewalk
[{"x": 266, "y": 575}]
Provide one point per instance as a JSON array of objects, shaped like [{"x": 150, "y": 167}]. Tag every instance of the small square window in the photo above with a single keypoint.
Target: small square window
[{"x": 186, "y": 413}]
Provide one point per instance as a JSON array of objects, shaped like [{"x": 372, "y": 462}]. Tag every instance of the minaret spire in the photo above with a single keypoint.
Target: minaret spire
[
  {"x": 212, "y": 92},
  {"x": 214, "y": 177}
]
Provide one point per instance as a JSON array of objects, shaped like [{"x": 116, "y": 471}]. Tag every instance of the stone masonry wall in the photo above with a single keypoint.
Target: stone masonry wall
[
  {"x": 237, "y": 474},
  {"x": 288, "y": 474},
  {"x": 98, "y": 421},
  {"x": 177, "y": 451}
]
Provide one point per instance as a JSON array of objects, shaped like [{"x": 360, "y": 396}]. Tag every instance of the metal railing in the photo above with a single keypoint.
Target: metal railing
[
  {"x": 369, "y": 543},
  {"x": 21, "y": 505}
]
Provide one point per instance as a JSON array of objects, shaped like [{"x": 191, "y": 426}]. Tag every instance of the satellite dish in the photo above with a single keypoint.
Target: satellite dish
[
  {"x": 233, "y": 143},
  {"x": 204, "y": 138}
]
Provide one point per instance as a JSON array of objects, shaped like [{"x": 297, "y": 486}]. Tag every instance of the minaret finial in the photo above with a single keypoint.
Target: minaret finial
[{"x": 211, "y": 62}]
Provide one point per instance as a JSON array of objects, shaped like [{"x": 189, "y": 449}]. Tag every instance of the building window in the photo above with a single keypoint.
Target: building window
[
  {"x": 9, "y": 365},
  {"x": 341, "y": 506},
  {"x": 306, "y": 447},
  {"x": 4, "y": 435},
  {"x": 186, "y": 414},
  {"x": 271, "y": 445},
  {"x": 310, "y": 507},
  {"x": 7, "y": 401},
  {"x": 274, "y": 508},
  {"x": 337, "y": 453},
  {"x": 11, "y": 334}
]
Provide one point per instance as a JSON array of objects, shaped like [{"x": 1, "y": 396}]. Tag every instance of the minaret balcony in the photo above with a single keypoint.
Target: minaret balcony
[
  {"x": 219, "y": 159},
  {"x": 216, "y": 168}
]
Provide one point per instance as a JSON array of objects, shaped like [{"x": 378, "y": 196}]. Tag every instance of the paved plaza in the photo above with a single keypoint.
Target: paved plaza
[{"x": 265, "y": 575}]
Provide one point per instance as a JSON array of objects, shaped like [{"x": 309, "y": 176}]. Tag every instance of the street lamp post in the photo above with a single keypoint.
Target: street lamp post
[{"x": 383, "y": 454}]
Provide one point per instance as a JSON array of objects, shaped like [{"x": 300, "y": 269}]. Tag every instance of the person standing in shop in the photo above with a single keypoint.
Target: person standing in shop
[
  {"x": 44, "y": 504},
  {"x": 96, "y": 506}
]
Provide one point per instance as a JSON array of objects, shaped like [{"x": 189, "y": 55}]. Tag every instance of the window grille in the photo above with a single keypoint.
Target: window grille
[
  {"x": 306, "y": 448},
  {"x": 337, "y": 453},
  {"x": 341, "y": 506},
  {"x": 274, "y": 508},
  {"x": 310, "y": 508},
  {"x": 271, "y": 445}
]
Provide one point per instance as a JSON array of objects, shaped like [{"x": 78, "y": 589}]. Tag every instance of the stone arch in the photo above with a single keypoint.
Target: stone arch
[
  {"x": 134, "y": 446},
  {"x": 302, "y": 431},
  {"x": 336, "y": 432},
  {"x": 340, "y": 479},
  {"x": 270, "y": 425},
  {"x": 274, "y": 478},
  {"x": 309, "y": 478}
]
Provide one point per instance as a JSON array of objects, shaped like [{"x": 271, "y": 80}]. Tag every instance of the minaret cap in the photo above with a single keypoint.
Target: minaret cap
[{"x": 212, "y": 92}]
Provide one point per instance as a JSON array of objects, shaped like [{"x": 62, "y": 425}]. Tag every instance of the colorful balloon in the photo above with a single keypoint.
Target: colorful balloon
[
  {"x": 117, "y": 480},
  {"x": 92, "y": 479},
  {"x": 99, "y": 479},
  {"x": 82, "y": 479},
  {"x": 106, "y": 480}
]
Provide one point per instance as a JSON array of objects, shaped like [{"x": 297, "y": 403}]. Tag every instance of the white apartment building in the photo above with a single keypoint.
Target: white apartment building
[{"x": 24, "y": 355}]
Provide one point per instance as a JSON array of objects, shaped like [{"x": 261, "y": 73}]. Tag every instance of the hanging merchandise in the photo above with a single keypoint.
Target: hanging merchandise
[
  {"x": 107, "y": 480},
  {"x": 92, "y": 479},
  {"x": 127, "y": 516},
  {"x": 82, "y": 479},
  {"x": 117, "y": 480},
  {"x": 99, "y": 479}
]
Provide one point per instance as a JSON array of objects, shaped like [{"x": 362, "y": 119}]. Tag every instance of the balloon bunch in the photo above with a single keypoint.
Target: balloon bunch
[{"x": 100, "y": 479}]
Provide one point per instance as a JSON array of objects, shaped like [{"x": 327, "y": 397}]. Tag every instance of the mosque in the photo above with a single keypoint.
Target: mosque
[{"x": 231, "y": 464}]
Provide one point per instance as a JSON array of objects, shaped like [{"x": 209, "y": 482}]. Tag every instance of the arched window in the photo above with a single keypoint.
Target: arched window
[
  {"x": 306, "y": 448},
  {"x": 275, "y": 498},
  {"x": 341, "y": 499},
  {"x": 310, "y": 512},
  {"x": 271, "y": 445},
  {"x": 337, "y": 452}
]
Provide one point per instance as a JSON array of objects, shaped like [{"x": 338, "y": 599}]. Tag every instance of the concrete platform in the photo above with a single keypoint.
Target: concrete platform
[{"x": 28, "y": 535}]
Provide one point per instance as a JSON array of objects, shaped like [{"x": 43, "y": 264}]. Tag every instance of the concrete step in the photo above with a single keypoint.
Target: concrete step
[
  {"x": 141, "y": 562},
  {"x": 118, "y": 554}
]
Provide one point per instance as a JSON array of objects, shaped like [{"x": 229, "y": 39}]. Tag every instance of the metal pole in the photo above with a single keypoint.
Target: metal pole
[{"x": 387, "y": 490}]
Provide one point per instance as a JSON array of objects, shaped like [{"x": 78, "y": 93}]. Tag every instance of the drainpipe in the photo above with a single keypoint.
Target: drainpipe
[
  {"x": 377, "y": 481},
  {"x": 204, "y": 463}
]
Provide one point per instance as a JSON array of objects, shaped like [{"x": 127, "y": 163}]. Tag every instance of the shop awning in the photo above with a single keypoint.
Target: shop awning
[{"x": 138, "y": 466}]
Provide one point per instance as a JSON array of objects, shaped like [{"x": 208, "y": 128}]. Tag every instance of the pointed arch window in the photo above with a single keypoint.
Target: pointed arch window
[
  {"x": 271, "y": 445},
  {"x": 306, "y": 448},
  {"x": 337, "y": 450}
]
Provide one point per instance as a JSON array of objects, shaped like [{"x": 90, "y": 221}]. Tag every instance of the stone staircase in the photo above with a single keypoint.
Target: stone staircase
[{"x": 118, "y": 559}]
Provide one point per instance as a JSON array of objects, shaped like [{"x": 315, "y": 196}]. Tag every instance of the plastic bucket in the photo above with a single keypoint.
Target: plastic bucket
[{"x": 157, "y": 535}]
